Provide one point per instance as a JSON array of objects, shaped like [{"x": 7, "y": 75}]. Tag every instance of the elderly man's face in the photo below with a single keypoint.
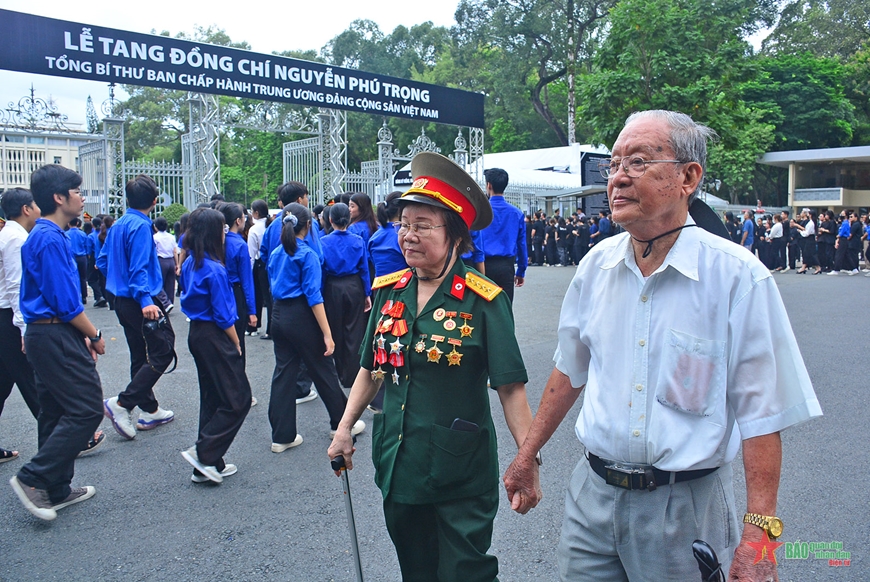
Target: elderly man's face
[{"x": 658, "y": 200}]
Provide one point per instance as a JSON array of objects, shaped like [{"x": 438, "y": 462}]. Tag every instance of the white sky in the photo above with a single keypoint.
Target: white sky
[{"x": 266, "y": 26}]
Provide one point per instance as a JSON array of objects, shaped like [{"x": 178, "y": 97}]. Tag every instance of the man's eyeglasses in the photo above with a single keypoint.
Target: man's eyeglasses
[
  {"x": 421, "y": 229},
  {"x": 634, "y": 166}
]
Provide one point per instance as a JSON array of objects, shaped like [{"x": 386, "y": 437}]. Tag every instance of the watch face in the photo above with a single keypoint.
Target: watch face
[{"x": 775, "y": 526}]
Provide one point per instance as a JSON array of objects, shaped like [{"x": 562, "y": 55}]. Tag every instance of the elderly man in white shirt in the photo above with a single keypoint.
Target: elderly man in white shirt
[
  {"x": 21, "y": 214},
  {"x": 684, "y": 348}
]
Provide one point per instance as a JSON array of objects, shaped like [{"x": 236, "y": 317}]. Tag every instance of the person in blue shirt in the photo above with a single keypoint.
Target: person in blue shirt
[
  {"x": 504, "y": 239},
  {"x": 383, "y": 246},
  {"x": 346, "y": 292},
  {"x": 95, "y": 278},
  {"x": 301, "y": 331},
  {"x": 362, "y": 216},
  {"x": 134, "y": 278},
  {"x": 748, "y": 237},
  {"x": 239, "y": 269},
  {"x": 79, "y": 244},
  {"x": 476, "y": 257},
  {"x": 209, "y": 302},
  {"x": 62, "y": 346}
]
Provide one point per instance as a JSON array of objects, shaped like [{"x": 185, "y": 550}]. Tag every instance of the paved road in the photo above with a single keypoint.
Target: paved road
[{"x": 282, "y": 516}]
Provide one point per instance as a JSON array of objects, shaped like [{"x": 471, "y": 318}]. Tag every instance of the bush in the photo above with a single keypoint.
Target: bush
[{"x": 173, "y": 212}]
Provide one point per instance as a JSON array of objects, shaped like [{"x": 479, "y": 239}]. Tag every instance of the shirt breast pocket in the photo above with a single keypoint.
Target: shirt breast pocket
[{"x": 692, "y": 374}]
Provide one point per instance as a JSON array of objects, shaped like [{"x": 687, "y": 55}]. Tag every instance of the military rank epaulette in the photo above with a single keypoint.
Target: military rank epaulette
[
  {"x": 390, "y": 279},
  {"x": 483, "y": 287}
]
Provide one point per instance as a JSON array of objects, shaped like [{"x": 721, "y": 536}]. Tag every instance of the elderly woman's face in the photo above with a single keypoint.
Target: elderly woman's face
[{"x": 421, "y": 250}]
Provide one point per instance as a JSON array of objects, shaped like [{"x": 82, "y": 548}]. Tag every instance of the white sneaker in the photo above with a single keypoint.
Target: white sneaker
[
  {"x": 210, "y": 471},
  {"x": 229, "y": 469},
  {"x": 148, "y": 421},
  {"x": 281, "y": 447},
  {"x": 253, "y": 400},
  {"x": 853, "y": 272},
  {"x": 786, "y": 269},
  {"x": 358, "y": 427},
  {"x": 834, "y": 273},
  {"x": 247, "y": 333},
  {"x": 122, "y": 419},
  {"x": 308, "y": 397},
  {"x": 255, "y": 333}
]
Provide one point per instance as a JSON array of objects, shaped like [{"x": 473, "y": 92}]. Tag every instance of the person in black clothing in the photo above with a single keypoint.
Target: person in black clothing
[
  {"x": 733, "y": 227},
  {"x": 827, "y": 238},
  {"x": 550, "y": 243},
  {"x": 856, "y": 231},
  {"x": 529, "y": 249},
  {"x": 581, "y": 240},
  {"x": 791, "y": 235},
  {"x": 538, "y": 234},
  {"x": 562, "y": 241}
]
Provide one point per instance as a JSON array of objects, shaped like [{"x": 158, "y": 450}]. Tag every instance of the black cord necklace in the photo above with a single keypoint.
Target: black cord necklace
[{"x": 649, "y": 243}]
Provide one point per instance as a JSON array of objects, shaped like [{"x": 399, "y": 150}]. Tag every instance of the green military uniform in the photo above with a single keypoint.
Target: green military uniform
[{"x": 461, "y": 338}]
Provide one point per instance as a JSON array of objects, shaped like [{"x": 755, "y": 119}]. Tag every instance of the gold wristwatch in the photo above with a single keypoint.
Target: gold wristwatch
[{"x": 772, "y": 525}]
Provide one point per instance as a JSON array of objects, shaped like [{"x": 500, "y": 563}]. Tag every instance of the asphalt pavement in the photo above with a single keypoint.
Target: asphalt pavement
[{"x": 282, "y": 516}]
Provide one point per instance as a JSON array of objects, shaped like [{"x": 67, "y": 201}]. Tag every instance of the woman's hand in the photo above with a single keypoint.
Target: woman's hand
[
  {"x": 252, "y": 320},
  {"x": 368, "y": 305},
  {"x": 330, "y": 345},
  {"x": 342, "y": 446}
]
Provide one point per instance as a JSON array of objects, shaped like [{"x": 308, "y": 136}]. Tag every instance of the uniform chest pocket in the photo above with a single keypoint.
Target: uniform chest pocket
[
  {"x": 454, "y": 456},
  {"x": 692, "y": 374}
]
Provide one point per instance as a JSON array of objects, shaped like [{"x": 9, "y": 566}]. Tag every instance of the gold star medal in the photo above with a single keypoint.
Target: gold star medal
[
  {"x": 378, "y": 374},
  {"x": 439, "y": 314},
  {"x": 395, "y": 377},
  {"x": 420, "y": 346},
  {"x": 450, "y": 325},
  {"x": 454, "y": 358},
  {"x": 465, "y": 329},
  {"x": 434, "y": 354}
]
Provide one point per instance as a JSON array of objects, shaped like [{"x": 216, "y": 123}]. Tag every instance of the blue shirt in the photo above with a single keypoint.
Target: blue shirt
[
  {"x": 239, "y": 267},
  {"x": 361, "y": 229},
  {"x": 477, "y": 254},
  {"x": 604, "y": 228},
  {"x": 96, "y": 246},
  {"x": 50, "y": 278},
  {"x": 206, "y": 293},
  {"x": 132, "y": 268},
  {"x": 78, "y": 241},
  {"x": 297, "y": 275},
  {"x": 272, "y": 239},
  {"x": 506, "y": 234},
  {"x": 845, "y": 229},
  {"x": 344, "y": 253},
  {"x": 749, "y": 228},
  {"x": 384, "y": 251}
]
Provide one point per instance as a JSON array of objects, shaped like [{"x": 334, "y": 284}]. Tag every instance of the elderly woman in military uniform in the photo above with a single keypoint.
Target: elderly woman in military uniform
[{"x": 437, "y": 333}]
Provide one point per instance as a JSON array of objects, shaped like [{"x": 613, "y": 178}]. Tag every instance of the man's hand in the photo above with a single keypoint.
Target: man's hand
[
  {"x": 342, "y": 446},
  {"x": 368, "y": 305},
  {"x": 252, "y": 321},
  {"x": 96, "y": 348},
  {"x": 522, "y": 482},
  {"x": 23, "y": 349},
  {"x": 519, "y": 281},
  {"x": 151, "y": 312},
  {"x": 743, "y": 569}
]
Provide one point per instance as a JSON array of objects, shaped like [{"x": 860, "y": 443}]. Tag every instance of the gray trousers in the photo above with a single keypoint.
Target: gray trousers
[{"x": 612, "y": 534}]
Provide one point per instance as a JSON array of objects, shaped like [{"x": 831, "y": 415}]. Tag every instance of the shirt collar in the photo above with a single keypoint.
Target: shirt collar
[
  {"x": 139, "y": 213},
  {"x": 683, "y": 256},
  {"x": 15, "y": 229}
]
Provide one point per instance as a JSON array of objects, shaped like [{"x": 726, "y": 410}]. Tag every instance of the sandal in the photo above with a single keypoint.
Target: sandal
[
  {"x": 7, "y": 455},
  {"x": 93, "y": 444}
]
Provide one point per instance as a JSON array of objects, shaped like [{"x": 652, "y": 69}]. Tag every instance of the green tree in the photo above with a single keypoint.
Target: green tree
[{"x": 829, "y": 28}]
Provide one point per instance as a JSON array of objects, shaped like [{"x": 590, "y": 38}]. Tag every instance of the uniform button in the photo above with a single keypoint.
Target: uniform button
[
  {"x": 636, "y": 433},
  {"x": 642, "y": 343},
  {"x": 400, "y": 436},
  {"x": 639, "y": 387},
  {"x": 403, "y": 407},
  {"x": 643, "y": 298}
]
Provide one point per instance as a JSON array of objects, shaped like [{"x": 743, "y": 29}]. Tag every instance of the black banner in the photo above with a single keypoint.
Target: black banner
[{"x": 34, "y": 44}]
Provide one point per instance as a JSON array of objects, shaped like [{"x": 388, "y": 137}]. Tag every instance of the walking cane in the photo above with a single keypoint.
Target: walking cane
[
  {"x": 708, "y": 563},
  {"x": 338, "y": 465}
]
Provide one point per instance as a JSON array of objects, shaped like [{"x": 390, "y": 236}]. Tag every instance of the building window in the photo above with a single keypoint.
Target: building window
[{"x": 57, "y": 160}]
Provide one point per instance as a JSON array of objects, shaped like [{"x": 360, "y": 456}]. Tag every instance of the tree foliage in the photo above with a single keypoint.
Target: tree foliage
[{"x": 830, "y": 28}]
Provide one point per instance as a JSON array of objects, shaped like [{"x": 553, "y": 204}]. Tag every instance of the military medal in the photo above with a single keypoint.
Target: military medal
[
  {"x": 420, "y": 346},
  {"x": 465, "y": 329},
  {"x": 378, "y": 374},
  {"x": 381, "y": 352},
  {"x": 454, "y": 357},
  {"x": 396, "y": 310},
  {"x": 439, "y": 314},
  {"x": 400, "y": 328},
  {"x": 450, "y": 325},
  {"x": 397, "y": 357},
  {"x": 388, "y": 306},
  {"x": 386, "y": 325},
  {"x": 395, "y": 377},
  {"x": 434, "y": 354}
]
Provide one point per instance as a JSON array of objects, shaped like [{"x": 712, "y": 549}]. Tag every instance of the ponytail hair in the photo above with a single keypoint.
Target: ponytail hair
[
  {"x": 339, "y": 215},
  {"x": 295, "y": 219},
  {"x": 231, "y": 211},
  {"x": 388, "y": 210}
]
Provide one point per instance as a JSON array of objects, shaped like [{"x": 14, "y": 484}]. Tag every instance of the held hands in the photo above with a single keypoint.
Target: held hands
[
  {"x": 342, "y": 445},
  {"x": 522, "y": 483},
  {"x": 151, "y": 312}
]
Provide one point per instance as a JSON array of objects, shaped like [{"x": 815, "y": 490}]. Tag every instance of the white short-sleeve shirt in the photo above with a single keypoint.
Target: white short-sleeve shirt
[{"x": 680, "y": 366}]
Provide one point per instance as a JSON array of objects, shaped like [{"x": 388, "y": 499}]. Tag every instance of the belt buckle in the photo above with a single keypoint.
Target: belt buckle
[{"x": 621, "y": 476}]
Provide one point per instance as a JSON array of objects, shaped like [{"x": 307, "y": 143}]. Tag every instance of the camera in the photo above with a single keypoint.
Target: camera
[{"x": 152, "y": 325}]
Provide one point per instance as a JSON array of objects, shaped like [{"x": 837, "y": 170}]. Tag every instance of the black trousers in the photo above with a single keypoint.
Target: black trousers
[
  {"x": 852, "y": 257},
  {"x": 793, "y": 254},
  {"x": 262, "y": 295},
  {"x": 95, "y": 279},
  {"x": 167, "y": 269},
  {"x": 344, "y": 300},
  {"x": 14, "y": 367},
  {"x": 538, "y": 251},
  {"x": 841, "y": 256},
  {"x": 501, "y": 271},
  {"x": 224, "y": 391},
  {"x": 150, "y": 355},
  {"x": 71, "y": 405},
  {"x": 810, "y": 254},
  {"x": 297, "y": 338},
  {"x": 778, "y": 250},
  {"x": 241, "y": 318},
  {"x": 82, "y": 266}
]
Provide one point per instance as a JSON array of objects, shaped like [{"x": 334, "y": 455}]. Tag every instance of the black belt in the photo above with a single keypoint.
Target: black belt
[{"x": 641, "y": 478}]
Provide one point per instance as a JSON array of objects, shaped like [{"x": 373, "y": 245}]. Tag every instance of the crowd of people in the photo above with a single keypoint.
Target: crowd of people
[
  {"x": 563, "y": 242},
  {"x": 826, "y": 242}
]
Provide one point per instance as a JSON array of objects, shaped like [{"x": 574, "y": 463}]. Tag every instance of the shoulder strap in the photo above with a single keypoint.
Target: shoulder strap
[
  {"x": 390, "y": 279},
  {"x": 482, "y": 286}
]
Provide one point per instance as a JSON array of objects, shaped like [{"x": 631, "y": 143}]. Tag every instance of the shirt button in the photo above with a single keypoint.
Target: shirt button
[
  {"x": 403, "y": 407},
  {"x": 639, "y": 387},
  {"x": 643, "y": 298},
  {"x": 400, "y": 436},
  {"x": 642, "y": 343},
  {"x": 636, "y": 433}
]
